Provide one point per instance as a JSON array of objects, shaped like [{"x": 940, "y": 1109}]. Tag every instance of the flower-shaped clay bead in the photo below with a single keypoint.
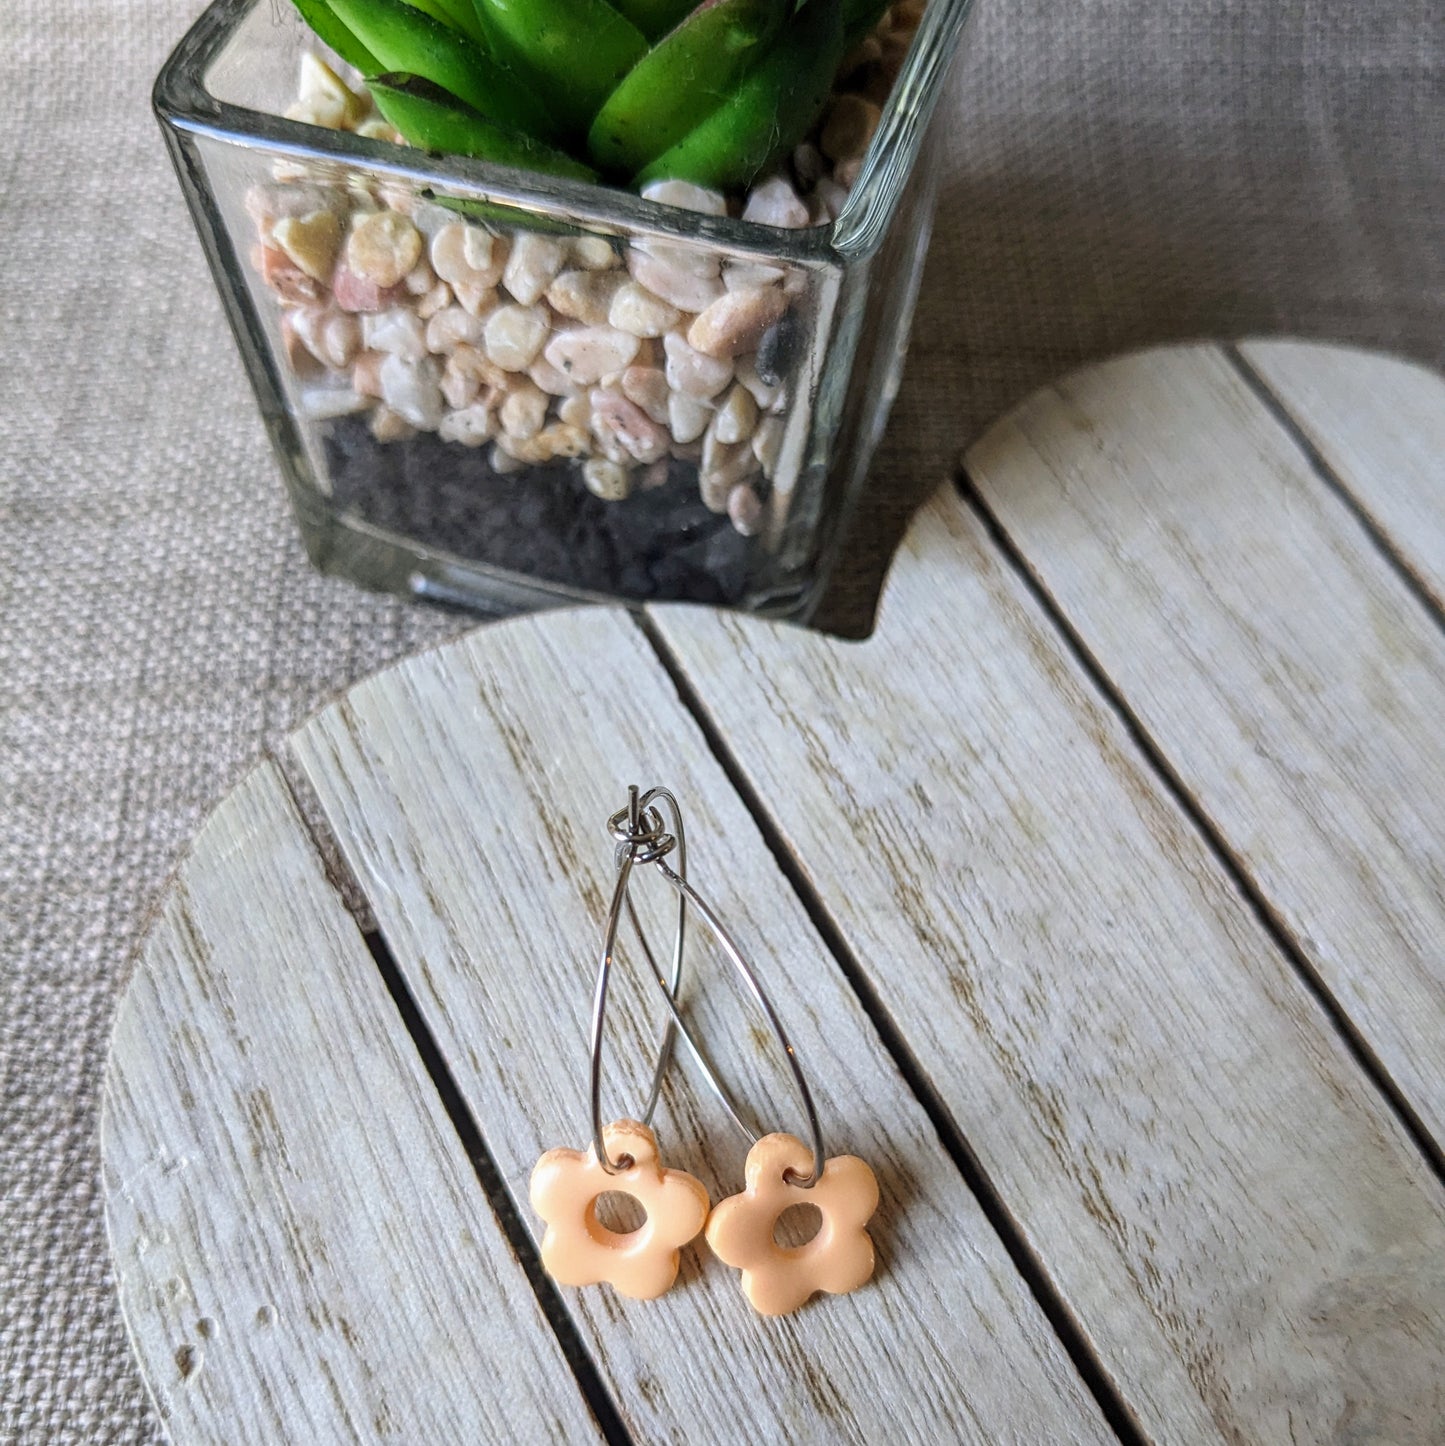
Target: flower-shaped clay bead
[
  {"x": 839, "y": 1258},
  {"x": 578, "y": 1249}
]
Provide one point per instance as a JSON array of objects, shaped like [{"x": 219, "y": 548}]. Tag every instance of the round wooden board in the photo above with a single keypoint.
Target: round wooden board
[{"x": 1157, "y": 1140}]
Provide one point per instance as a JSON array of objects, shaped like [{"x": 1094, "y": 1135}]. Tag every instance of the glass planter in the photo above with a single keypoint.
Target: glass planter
[{"x": 573, "y": 392}]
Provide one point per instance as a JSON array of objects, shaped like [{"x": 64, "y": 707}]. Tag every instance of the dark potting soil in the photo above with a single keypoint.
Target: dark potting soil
[{"x": 657, "y": 545}]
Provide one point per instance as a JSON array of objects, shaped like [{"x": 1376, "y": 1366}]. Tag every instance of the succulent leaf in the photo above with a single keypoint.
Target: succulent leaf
[
  {"x": 646, "y": 89},
  {"x": 325, "y": 25},
  {"x": 579, "y": 49},
  {"x": 436, "y": 10},
  {"x": 433, "y": 120},
  {"x": 406, "y": 40},
  {"x": 770, "y": 110},
  {"x": 680, "y": 81},
  {"x": 459, "y": 14},
  {"x": 655, "y": 17}
]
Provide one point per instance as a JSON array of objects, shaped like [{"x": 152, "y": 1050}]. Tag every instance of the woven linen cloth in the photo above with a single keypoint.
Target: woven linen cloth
[{"x": 1119, "y": 174}]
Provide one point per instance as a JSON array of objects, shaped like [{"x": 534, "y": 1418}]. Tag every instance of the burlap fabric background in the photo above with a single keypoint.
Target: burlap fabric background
[{"x": 1123, "y": 171}]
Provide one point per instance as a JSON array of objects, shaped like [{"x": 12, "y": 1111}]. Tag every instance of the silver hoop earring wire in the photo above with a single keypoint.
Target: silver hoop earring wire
[{"x": 642, "y": 841}]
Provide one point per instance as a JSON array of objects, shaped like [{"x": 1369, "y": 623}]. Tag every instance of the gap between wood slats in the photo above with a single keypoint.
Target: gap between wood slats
[
  {"x": 1378, "y": 537},
  {"x": 1096, "y": 1378},
  {"x": 1258, "y": 903},
  {"x": 469, "y": 1133}
]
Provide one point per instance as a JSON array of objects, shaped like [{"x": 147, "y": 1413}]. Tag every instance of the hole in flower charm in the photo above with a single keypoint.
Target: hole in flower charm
[
  {"x": 578, "y": 1249},
  {"x": 839, "y": 1258}
]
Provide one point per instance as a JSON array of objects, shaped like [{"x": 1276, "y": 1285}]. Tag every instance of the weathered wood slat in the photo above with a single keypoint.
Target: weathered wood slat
[
  {"x": 1295, "y": 685},
  {"x": 1236, "y": 1219},
  {"x": 469, "y": 790},
  {"x": 1379, "y": 424},
  {"x": 302, "y": 1250}
]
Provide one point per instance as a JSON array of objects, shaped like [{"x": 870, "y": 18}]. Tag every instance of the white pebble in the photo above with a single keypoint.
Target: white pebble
[
  {"x": 323, "y": 404},
  {"x": 593, "y": 253},
  {"x": 478, "y": 301},
  {"x": 480, "y": 249},
  {"x": 748, "y": 275},
  {"x": 397, "y": 331},
  {"x": 776, "y": 203},
  {"x": 384, "y": 247},
  {"x": 737, "y": 416},
  {"x": 412, "y": 389},
  {"x": 687, "y": 196},
  {"x": 327, "y": 94},
  {"x": 585, "y": 296},
  {"x": 555, "y": 383},
  {"x": 576, "y": 411},
  {"x": 687, "y": 417},
  {"x": 589, "y": 353},
  {"x": 468, "y": 255},
  {"x": 524, "y": 411},
  {"x": 503, "y": 462},
  {"x": 617, "y": 420},
  {"x": 561, "y": 440},
  {"x": 767, "y": 443},
  {"x": 438, "y": 298},
  {"x": 459, "y": 388},
  {"x": 534, "y": 261},
  {"x": 366, "y": 374},
  {"x": 471, "y": 426},
  {"x": 692, "y": 371},
  {"x": 513, "y": 336},
  {"x": 389, "y": 426},
  {"x": 421, "y": 278},
  {"x": 724, "y": 465},
  {"x": 637, "y": 311},
  {"x": 607, "y": 480},
  {"x": 431, "y": 219},
  {"x": 745, "y": 510},
  {"x": 310, "y": 242},
  {"x": 316, "y": 113},
  {"x": 646, "y": 387},
  {"x": 686, "y": 289},
  {"x": 266, "y": 203},
  {"x": 450, "y": 326},
  {"x": 376, "y": 129},
  {"x": 333, "y": 337},
  {"x": 736, "y": 321}
]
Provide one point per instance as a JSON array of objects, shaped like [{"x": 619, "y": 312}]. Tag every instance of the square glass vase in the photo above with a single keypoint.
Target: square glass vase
[{"x": 455, "y": 436}]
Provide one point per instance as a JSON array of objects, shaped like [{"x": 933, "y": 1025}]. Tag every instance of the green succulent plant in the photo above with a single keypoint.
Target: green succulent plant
[{"x": 627, "y": 91}]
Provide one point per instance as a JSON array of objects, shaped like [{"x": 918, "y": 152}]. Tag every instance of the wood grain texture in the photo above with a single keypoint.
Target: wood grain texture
[
  {"x": 469, "y": 790},
  {"x": 1289, "y": 676},
  {"x": 302, "y": 1250},
  {"x": 1244, "y": 1232},
  {"x": 1379, "y": 424}
]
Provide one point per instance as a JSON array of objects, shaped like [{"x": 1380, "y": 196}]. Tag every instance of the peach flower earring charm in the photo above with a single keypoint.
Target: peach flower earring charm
[
  {"x": 781, "y": 1171},
  {"x": 578, "y": 1249},
  {"x": 839, "y": 1258},
  {"x": 566, "y": 1185}
]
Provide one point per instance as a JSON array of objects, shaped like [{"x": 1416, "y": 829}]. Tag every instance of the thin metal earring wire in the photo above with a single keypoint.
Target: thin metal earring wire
[
  {"x": 641, "y": 839},
  {"x": 645, "y": 843}
]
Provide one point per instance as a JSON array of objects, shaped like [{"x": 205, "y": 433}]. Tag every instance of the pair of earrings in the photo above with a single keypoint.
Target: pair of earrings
[{"x": 781, "y": 1171}]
